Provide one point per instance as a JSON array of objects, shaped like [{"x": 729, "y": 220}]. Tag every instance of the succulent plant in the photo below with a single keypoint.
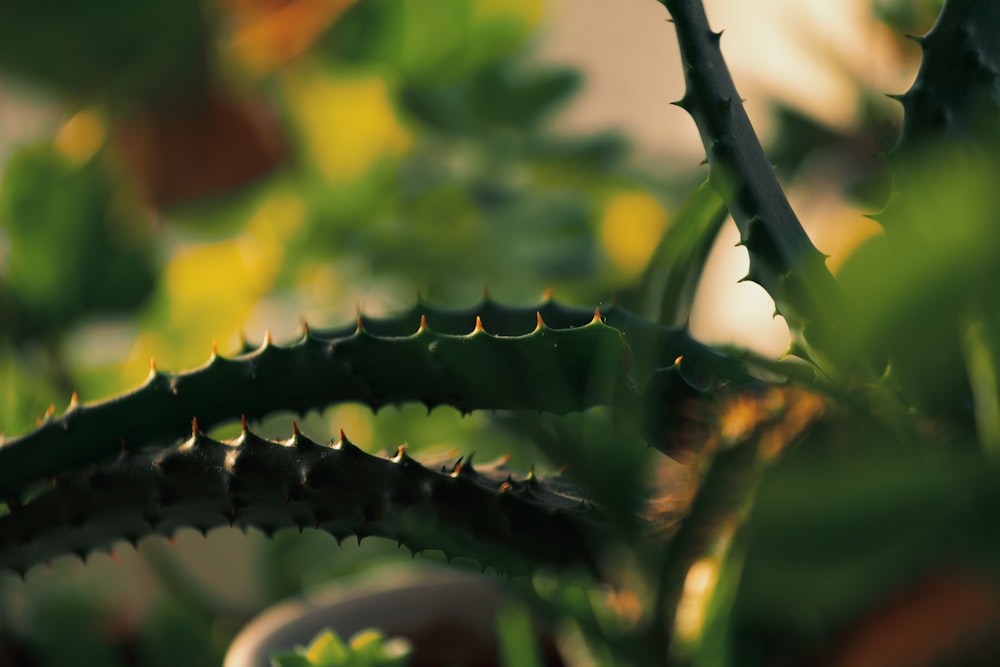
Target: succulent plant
[
  {"x": 892, "y": 404},
  {"x": 368, "y": 648}
]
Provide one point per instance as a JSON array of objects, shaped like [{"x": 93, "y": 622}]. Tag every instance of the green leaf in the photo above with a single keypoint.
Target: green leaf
[
  {"x": 516, "y": 632},
  {"x": 670, "y": 280}
]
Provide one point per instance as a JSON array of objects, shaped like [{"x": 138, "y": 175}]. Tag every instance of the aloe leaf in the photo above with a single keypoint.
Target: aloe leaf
[
  {"x": 559, "y": 370},
  {"x": 782, "y": 258},
  {"x": 484, "y": 512}
]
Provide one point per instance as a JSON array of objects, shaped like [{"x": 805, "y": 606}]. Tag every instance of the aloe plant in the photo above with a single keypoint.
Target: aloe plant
[{"x": 898, "y": 398}]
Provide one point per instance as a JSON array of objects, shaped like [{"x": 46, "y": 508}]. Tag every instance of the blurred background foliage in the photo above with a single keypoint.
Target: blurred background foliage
[{"x": 218, "y": 167}]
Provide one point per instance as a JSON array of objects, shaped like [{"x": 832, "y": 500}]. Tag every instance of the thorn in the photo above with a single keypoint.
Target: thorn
[
  {"x": 152, "y": 366},
  {"x": 915, "y": 38},
  {"x": 343, "y": 438},
  {"x": 479, "y": 326},
  {"x": 215, "y": 349},
  {"x": 547, "y": 295},
  {"x": 531, "y": 474},
  {"x": 597, "y": 315},
  {"x": 539, "y": 323},
  {"x": 268, "y": 341},
  {"x": 306, "y": 331},
  {"x": 423, "y": 323},
  {"x": 361, "y": 325},
  {"x": 194, "y": 427},
  {"x": 74, "y": 403},
  {"x": 295, "y": 429},
  {"x": 457, "y": 470},
  {"x": 678, "y": 360},
  {"x": 51, "y": 410},
  {"x": 243, "y": 424},
  {"x": 400, "y": 453}
]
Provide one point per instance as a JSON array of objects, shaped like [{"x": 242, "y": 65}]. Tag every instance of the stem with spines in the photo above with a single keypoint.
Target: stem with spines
[
  {"x": 782, "y": 258},
  {"x": 481, "y": 512}
]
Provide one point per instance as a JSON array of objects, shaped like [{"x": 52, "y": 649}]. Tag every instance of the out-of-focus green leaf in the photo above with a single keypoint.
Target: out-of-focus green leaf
[
  {"x": 910, "y": 288},
  {"x": 516, "y": 632},
  {"x": 913, "y": 17},
  {"x": 845, "y": 520},
  {"x": 85, "y": 629},
  {"x": 500, "y": 96},
  {"x": 172, "y": 636},
  {"x": 671, "y": 278},
  {"x": 74, "y": 249},
  {"x": 432, "y": 42},
  {"x": 115, "y": 49}
]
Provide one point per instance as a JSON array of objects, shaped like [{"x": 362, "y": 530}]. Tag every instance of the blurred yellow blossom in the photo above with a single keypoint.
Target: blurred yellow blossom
[
  {"x": 529, "y": 12},
  {"x": 349, "y": 123},
  {"x": 80, "y": 137},
  {"x": 630, "y": 228}
]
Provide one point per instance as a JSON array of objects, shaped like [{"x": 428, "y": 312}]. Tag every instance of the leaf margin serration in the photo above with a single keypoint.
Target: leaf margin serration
[{"x": 89, "y": 433}]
